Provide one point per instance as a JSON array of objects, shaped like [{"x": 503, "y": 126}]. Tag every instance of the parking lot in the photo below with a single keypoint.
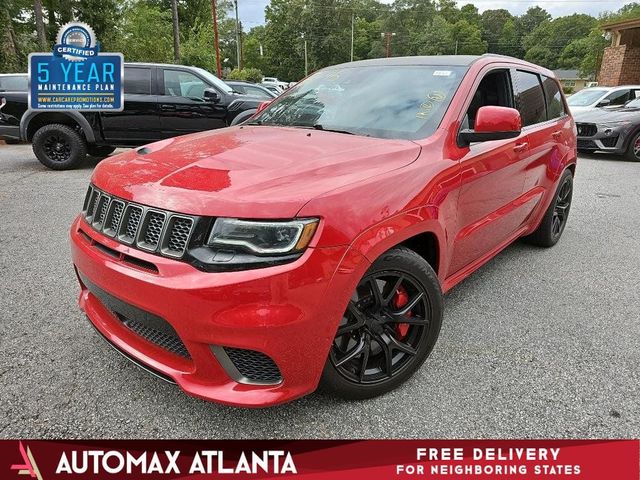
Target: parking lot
[{"x": 538, "y": 343}]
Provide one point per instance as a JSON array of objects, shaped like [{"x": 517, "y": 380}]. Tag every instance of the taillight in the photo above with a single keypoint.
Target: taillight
[{"x": 262, "y": 106}]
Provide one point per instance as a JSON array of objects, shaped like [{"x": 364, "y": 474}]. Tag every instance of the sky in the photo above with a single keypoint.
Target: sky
[{"x": 251, "y": 12}]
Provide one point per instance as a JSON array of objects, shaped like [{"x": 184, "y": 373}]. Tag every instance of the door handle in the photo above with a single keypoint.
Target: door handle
[
  {"x": 167, "y": 107},
  {"x": 521, "y": 147},
  {"x": 557, "y": 134}
]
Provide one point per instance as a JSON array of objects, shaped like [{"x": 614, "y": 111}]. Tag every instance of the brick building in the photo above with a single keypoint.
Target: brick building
[{"x": 621, "y": 61}]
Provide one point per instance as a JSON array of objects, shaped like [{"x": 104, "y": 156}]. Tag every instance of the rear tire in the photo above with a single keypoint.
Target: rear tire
[
  {"x": 555, "y": 218},
  {"x": 633, "y": 152},
  {"x": 100, "y": 151},
  {"x": 59, "y": 147},
  {"x": 379, "y": 345}
]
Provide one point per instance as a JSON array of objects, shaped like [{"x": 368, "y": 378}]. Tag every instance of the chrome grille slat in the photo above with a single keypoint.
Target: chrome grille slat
[{"x": 150, "y": 229}]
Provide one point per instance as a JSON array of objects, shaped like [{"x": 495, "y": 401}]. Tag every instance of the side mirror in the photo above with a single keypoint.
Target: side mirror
[
  {"x": 492, "y": 123},
  {"x": 210, "y": 95},
  {"x": 604, "y": 102}
]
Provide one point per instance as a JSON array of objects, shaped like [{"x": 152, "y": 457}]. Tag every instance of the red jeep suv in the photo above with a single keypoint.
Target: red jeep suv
[{"x": 312, "y": 245}]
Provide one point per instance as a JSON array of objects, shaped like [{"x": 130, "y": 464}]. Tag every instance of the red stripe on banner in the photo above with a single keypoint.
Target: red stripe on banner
[{"x": 322, "y": 459}]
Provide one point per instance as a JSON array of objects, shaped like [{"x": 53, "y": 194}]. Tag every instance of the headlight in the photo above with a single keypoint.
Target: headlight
[{"x": 263, "y": 237}]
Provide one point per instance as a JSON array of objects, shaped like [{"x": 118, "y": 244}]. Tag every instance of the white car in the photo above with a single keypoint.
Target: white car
[
  {"x": 594, "y": 97},
  {"x": 274, "y": 81}
]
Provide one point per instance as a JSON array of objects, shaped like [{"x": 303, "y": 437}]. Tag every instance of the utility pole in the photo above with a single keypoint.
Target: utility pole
[
  {"x": 176, "y": 31},
  {"x": 387, "y": 36},
  {"x": 216, "y": 39},
  {"x": 238, "y": 45},
  {"x": 353, "y": 19},
  {"x": 456, "y": 47},
  {"x": 306, "y": 62}
]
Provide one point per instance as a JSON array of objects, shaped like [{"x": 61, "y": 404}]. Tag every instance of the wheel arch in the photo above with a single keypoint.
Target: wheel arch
[
  {"x": 419, "y": 230},
  {"x": 32, "y": 121}
]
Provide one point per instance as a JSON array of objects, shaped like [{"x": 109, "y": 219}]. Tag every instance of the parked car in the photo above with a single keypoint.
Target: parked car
[
  {"x": 313, "y": 244},
  {"x": 611, "y": 129},
  {"x": 14, "y": 82},
  {"x": 274, "y": 81},
  {"x": 161, "y": 101},
  {"x": 276, "y": 90},
  {"x": 591, "y": 98},
  {"x": 248, "y": 88}
]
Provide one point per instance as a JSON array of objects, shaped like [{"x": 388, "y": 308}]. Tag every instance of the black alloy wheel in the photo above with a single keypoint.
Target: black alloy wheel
[
  {"x": 57, "y": 147},
  {"x": 382, "y": 327},
  {"x": 555, "y": 218},
  {"x": 389, "y": 327},
  {"x": 561, "y": 208}
]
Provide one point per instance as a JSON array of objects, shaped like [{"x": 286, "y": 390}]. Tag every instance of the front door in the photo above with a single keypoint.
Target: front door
[
  {"x": 183, "y": 108},
  {"x": 492, "y": 179}
]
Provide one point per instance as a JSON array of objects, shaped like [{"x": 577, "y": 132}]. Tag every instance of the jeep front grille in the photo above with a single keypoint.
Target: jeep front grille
[{"x": 150, "y": 229}]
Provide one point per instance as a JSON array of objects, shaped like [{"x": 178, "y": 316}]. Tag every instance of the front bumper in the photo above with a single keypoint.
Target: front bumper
[
  {"x": 289, "y": 313},
  {"x": 604, "y": 138},
  {"x": 10, "y": 132}
]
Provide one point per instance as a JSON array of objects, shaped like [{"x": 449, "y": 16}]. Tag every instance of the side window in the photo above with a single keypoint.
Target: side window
[
  {"x": 619, "y": 98},
  {"x": 183, "y": 84},
  {"x": 555, "y": 107},
  {"x": 531, "y": 104},
  {"x": 494, "y": 89},
  {"x": 239, "y": 88},
  {"x": 137, "y": 81}
]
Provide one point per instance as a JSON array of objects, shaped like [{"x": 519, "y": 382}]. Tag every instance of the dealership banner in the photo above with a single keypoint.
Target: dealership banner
[{"x": 321, "y": 459}]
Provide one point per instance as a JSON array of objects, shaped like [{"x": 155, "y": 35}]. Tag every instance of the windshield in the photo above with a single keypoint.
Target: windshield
[
  {"x": 16, "y": 83},
  {"x": 214, "y": 80},
  {"x": 585, "y": 97},
  {"x": 393, "y": 101}
]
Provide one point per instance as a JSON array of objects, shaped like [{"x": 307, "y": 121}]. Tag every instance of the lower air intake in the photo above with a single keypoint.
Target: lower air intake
[{"x": 254, "y": 367}]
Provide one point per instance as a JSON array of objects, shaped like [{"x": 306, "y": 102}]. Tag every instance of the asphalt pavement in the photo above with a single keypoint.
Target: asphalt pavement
[{"x": 538, "y": 343}]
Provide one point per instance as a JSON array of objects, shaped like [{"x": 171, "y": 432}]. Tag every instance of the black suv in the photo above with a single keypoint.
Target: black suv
[{"x": 161, "y": 101}]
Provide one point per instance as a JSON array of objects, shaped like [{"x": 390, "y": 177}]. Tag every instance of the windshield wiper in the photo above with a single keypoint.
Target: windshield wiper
[{"x": 318, "y": 126}]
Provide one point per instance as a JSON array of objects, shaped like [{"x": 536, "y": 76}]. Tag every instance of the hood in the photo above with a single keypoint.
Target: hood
[
  {"x": 248, "y": 171},
  {"x": 606, "y": 115}
]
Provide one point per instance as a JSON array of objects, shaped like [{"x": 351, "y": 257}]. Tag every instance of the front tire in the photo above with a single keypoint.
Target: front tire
[
  {"x": 59, "y": 147},
  {"x": 390, "y": 326},
  {"x": 633, "y": 152},
  {"x": 242, "y": 117},
  {"x": 555, "y": 218}
]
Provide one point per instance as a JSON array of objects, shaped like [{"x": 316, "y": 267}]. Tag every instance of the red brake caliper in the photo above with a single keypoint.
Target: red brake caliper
[{"x": 400, "y": 299}]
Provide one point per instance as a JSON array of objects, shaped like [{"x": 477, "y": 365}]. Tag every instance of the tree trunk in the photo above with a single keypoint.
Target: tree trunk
[
  {"x": 176, "y": 31},
  {"x": 9, "y": 44},
  {"x": 42, "y": 39}
]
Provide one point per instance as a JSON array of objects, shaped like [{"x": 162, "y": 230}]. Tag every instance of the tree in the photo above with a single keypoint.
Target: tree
[
  {"x": 176, "y": 30},
  {"x": 545, "y": 44},
  {"x": 37, "y": 11},
  {"x": 468, "y": 39},
  {"x": 493, "y": 23}
]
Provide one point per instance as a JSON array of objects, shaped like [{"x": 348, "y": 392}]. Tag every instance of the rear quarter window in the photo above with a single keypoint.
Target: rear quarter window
[
  {"x": 137, "y": 81},
  {"x": 555, "y": 105},
  {"x": 530, "y": 99}
]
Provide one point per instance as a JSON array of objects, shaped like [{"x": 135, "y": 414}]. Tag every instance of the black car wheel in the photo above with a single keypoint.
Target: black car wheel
[
  {"x": 555, "y": 219},
  {"x": 633, "y": 153},
  {"x": 389, "y": 328},
  {"x": 100, "y": 151},
  {"x": 59, "y": 147}
]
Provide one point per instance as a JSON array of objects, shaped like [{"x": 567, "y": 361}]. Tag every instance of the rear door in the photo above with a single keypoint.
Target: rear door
[
  {"x": 549, "y": 131},
  {"x": 183, "y": 108},
  {"x": 139, "y": 122}
]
